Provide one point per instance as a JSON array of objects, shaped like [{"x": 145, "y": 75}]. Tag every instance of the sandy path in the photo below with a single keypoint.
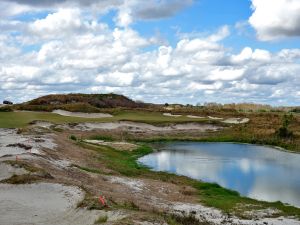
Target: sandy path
[
  {"x": 82, "y": 115},
  {"x": 43, "y": 204}
]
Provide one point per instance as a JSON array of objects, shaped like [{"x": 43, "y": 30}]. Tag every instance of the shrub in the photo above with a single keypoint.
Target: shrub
[
  {"x": 73, "y": 137},
  {"x": 6, "y": 109},
  {"x": 283, "y": 131}
]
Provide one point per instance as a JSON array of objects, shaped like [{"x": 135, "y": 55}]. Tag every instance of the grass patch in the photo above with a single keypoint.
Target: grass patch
[
  {"x": 101, "y": 219},
  {"x": 123, "y": 162}
]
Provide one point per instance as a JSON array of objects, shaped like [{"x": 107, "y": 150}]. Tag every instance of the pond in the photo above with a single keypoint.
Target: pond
[{"x": 259, "y": 172}]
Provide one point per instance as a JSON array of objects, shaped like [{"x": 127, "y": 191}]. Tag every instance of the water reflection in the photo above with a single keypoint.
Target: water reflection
[{"x": 255, "y": 171}]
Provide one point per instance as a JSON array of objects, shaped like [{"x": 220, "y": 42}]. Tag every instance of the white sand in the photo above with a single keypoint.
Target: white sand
[
  {"x": 171, "y": 115},
  {"x": 236, "y": 120},
  {"x": 215, "y": 118},
  {"x": 216, "y": 217},
  {"x": 43, "y": 203},
  {"x": 82, "y": 115},
  {"x": 10, "y": 137},
  {"x": 195, "y": 117},
  {"x": 7, "y": 171}
]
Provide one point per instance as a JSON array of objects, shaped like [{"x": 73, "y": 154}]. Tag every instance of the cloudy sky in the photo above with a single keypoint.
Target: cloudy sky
[{"x": 185, "y": 51}]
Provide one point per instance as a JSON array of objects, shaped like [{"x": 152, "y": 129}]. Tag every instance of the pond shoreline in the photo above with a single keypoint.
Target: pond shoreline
[{"x": 157, "y": 151}]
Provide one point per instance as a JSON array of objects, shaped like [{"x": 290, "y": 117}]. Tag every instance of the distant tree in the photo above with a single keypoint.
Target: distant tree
[
  {"x": 166, "y": 104},
  {"x": 5, "y": 102}
]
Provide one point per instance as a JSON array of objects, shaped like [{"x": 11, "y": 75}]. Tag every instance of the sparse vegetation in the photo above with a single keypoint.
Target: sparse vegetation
[
  {"x": 184, "y": 220},
  {"x": 101, "y": 219},
  {"x": 21, "y": 179}
]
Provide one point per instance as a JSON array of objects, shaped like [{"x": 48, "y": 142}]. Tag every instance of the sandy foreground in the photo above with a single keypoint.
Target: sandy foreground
[{"x": 55, "y": 198}]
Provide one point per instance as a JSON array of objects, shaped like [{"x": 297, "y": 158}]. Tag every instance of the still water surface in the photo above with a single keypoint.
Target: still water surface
[{"x": 258, "y": 172}]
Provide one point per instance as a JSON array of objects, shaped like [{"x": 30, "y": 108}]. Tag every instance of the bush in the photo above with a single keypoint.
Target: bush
[
  {"x": 6, "y": 109},
  {"x": 73, "y": 137},
  {"x": 283, "y": 131}
]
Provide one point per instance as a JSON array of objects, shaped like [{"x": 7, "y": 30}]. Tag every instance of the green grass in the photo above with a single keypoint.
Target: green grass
[
  {"x": 213, "y": 195},
  {"x": 22, "y": 119},
  {"x": 123, "y": 162}
]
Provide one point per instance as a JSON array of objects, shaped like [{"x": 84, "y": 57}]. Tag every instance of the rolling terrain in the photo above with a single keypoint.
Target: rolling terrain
[{"x": 88, "y": 158}]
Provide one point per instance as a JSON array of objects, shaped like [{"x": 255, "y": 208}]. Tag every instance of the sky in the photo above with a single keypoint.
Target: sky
[{"x": 175, "y": 51}]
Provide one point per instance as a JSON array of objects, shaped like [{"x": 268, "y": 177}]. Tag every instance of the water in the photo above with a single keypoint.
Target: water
[{"x": 254, "y": 171}]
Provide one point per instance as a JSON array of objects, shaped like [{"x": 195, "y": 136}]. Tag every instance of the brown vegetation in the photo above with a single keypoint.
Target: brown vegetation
[{"x": 80, "y": 103}]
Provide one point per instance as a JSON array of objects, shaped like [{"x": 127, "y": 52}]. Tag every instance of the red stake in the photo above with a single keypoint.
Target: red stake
[{"x": 102, "y": 200}]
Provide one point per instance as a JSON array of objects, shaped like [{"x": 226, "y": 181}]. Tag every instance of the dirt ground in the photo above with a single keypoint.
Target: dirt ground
[{"x": 72, "y": 194}]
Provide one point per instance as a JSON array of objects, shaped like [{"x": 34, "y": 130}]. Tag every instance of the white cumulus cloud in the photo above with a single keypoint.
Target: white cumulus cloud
[{"x": 275, "y": 19}]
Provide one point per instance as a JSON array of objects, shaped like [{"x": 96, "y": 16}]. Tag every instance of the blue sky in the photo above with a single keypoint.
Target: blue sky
[{"x": 185, "y": 51}]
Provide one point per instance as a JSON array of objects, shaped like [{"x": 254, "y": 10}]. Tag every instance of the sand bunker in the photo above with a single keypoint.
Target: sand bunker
[
  {"x": 82, "y": 115},
  {"x": 215, "y": 118},
  {"x": 195, "y": 117},
  {"x": 43, "y": 124},
  {"x": 124, "y": 146},
  {"x": 236, "y": 120},
  {"x": 12, "y": 143},
  {"x": 142, "y": 127},
  {"x": 171, "y": 115},
  {"x": 43, "y": 204}
]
